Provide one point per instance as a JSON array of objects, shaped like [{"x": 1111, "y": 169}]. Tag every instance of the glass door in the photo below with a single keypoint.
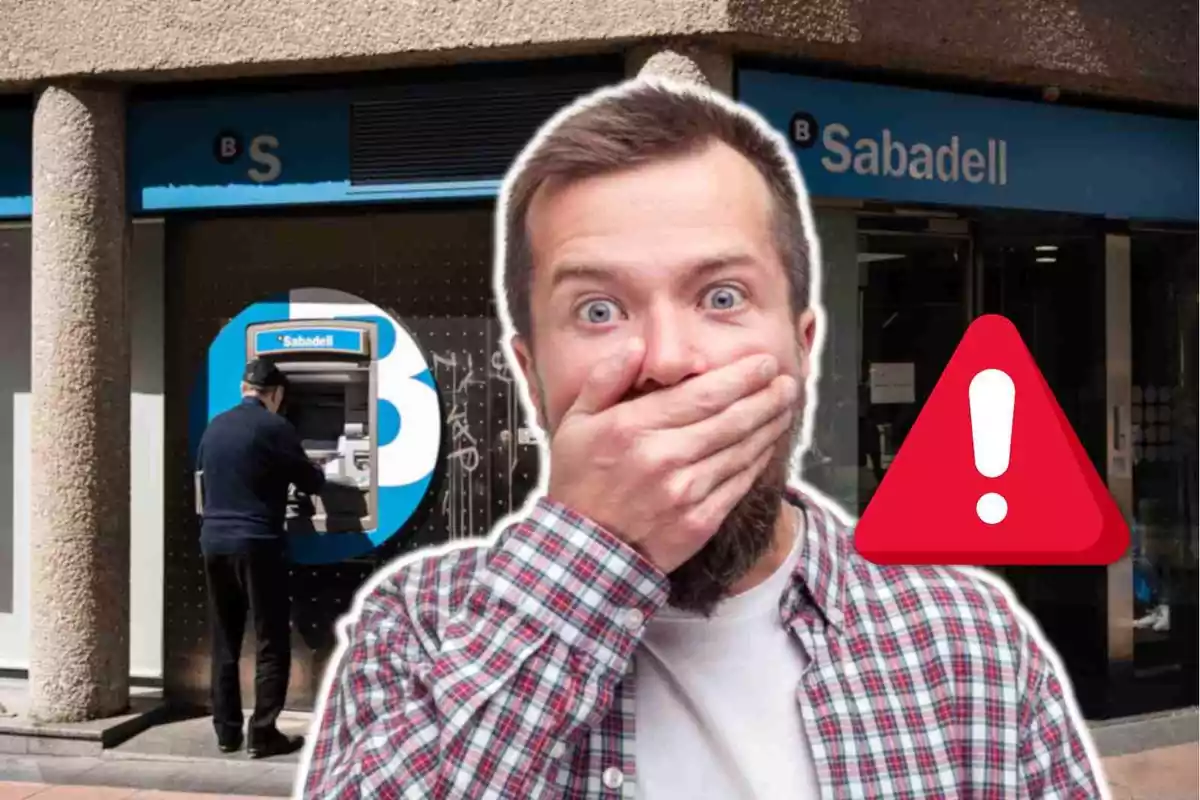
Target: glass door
[
  {"x": 1046, "y": 273},
  {"x": 1163, "y": 304},
  {"x": 915, "y": 288},
  {"x": 1110, "y": 317}
]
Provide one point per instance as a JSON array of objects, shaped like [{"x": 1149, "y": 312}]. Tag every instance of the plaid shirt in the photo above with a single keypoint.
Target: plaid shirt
[{"x": 505, "y": 670}]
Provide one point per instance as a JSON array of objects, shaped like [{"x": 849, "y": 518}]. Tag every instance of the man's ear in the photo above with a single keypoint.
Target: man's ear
[
  {"x": 521, "y": 350},
  {"x": 806, "y": 334}
]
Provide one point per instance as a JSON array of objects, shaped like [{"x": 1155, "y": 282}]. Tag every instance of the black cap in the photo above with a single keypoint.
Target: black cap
[{"x": 263, "y": 374}]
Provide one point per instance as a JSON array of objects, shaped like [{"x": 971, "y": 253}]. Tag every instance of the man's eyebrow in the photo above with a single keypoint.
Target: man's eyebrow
[
  {"x": 599, "y": 273},
  {"x": 580, "y": 272},
  {"x": 718, "y": 263}
]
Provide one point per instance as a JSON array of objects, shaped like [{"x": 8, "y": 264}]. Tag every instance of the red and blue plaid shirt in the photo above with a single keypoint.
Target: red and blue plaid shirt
[{"x": 504, "y": 669}]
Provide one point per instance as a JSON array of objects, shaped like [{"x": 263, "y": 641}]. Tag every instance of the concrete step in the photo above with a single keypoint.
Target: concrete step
[{"x": 20, "y": 735}]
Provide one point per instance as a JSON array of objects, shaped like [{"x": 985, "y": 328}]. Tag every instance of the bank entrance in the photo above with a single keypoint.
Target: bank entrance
[
  {"x": 1108, "y": 311},
  {"x": 923, "y": 275},
  {"x": 1079, "y": 226}
]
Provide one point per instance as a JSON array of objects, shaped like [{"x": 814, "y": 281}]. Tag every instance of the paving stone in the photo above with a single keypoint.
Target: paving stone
[
  {"x": 48, "y": 746},
  {"x": 1168, "y": 773},
  {"x": 153, "y": 794},
  {"x": 85, "y": 793},
  {"x": 194, "y": 737},
  {"x": 144, "y": 775},
  {"x": 46, "y": 769},
  {"x": 204, "y": 778},
  {"x": 15, "y": 769},
  {"x": 19, "y": 791},
  {"x": 13, "y": 745},
  {"x": 278, "y": 785},
  {"x": 1134, "y": 735}
]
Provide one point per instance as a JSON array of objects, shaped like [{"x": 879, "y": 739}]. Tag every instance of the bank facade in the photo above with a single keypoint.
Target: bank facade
[{"x": 146, "y": 208}]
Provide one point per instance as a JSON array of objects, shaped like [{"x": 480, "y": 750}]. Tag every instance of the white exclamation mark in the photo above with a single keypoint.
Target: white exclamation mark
[{"x": 993, "y": 399}]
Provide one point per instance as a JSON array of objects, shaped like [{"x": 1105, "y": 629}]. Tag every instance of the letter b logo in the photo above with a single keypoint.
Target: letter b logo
[
  {"x": 227, "y": 147},
  {"x": 804, "y": 130}
]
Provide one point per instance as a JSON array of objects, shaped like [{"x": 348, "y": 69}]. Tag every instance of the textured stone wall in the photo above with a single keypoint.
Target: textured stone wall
[
  {"x": 79, "y": 537},
  {"x": 1145, "y": 51},
  {"x": 683, "y": 62}
]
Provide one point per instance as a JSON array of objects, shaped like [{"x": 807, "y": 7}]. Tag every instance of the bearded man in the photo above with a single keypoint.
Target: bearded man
[{"x": 669, "y": 619}]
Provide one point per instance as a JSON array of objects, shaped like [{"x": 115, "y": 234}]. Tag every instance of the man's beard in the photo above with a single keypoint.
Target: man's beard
[
  {"x": 746, "y": 535},
  {"x": 742, "y": 539}
]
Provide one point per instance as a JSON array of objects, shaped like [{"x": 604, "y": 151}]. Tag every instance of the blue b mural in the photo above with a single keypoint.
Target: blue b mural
[{"x": 363, "y": 398}]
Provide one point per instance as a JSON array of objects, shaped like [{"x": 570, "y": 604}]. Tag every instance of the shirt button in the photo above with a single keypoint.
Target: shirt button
[
  {"x": 613, "y": 778},
  {"x": 634, "y": 620},
  {"x": 558, "y": 750}
]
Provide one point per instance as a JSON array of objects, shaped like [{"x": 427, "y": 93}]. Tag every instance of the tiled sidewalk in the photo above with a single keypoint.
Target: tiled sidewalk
[
  {"x": 42, "y": 791},
  {"x": 1155, "y": 757},
  {"x": 231, "y": 777},
  {"x": 1165, "y": 773}
]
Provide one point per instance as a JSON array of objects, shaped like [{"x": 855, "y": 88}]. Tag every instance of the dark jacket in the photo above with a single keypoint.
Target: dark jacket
[{"x": 249, "y": 457}]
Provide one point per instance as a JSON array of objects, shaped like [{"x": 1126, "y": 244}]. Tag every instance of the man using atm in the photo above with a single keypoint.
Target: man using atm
[{"x": 248, "y": 458}]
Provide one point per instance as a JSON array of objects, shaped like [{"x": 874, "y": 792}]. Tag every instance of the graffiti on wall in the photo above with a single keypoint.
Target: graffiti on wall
[{"x": 490, "y": 461}]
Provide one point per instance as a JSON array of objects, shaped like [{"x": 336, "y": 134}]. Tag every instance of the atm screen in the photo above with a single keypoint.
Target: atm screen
[
  {"x": 319, "y": 414},
  {"x": 321, "y": 407},
  {"x": 331, "y": 411}
]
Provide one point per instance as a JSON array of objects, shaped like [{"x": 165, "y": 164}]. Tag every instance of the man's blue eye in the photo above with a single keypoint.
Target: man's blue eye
[
  {"x": 724, "y": 298},
  {"x": 599, "y": 312}
]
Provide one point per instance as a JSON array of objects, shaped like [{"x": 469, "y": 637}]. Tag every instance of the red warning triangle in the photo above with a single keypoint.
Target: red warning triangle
[{"x": 1045, "y": 505}]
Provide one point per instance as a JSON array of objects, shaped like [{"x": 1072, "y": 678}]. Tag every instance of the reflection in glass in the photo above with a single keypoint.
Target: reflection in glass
[
  {"x": 1046, "y": 274},
  {"x": 913, "y": 294},
  {"x": 1163, "y": 307}
]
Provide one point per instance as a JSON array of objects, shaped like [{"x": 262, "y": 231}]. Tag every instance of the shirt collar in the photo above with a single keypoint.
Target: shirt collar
[{"x": 819, "y": 574}]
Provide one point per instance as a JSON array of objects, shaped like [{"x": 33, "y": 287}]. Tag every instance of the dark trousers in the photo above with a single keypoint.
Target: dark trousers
[{"x": 254, "y": 582}]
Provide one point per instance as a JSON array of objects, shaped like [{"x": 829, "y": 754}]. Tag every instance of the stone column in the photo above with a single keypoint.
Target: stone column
[
  {"x": 79, "y": 560},
  {"x": 683, "y": 61}
]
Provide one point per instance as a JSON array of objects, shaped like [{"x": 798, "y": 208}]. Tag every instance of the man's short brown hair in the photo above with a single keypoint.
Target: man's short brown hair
[{"x": 643, "y": 123}]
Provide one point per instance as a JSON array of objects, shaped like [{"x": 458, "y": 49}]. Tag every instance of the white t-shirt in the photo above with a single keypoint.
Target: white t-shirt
[{"x": 717, "y": 708}]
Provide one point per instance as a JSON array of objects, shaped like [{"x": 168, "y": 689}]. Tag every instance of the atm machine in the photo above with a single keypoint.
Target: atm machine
[{"x": 331, "y": 399}]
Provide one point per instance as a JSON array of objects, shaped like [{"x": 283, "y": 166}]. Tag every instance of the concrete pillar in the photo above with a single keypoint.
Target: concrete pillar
[
  {"x": 79, "y": 560},
  {"x": 683, "y": 61}
]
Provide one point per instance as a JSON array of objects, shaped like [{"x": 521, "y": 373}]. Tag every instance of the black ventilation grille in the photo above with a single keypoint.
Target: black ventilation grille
[{"x": 455, "y": 131}]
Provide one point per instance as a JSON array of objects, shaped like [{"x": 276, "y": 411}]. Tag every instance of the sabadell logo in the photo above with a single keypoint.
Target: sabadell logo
[{"x": 307, "y": 341}]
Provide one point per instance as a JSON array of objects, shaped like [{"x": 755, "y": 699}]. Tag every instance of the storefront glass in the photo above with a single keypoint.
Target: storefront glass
[
  {"x": 918, "y": 281},
  {"x": 923, "y": 279},
  {"x": 914, "y": 297},
  {"x": 1046, "y": 273},
  {"x": 919, "y": 277},
  {"x": 1163, "y": 308}
]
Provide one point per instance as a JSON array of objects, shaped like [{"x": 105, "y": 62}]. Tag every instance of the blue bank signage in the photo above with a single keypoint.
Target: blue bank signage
[
  {"x": 16, "y": 162},
  {"x": 268, "y": 149},
  {"x": 310, "y": 340},
  {"x": 864, "y": 141},
  {"x": 949, "y": 162}
]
